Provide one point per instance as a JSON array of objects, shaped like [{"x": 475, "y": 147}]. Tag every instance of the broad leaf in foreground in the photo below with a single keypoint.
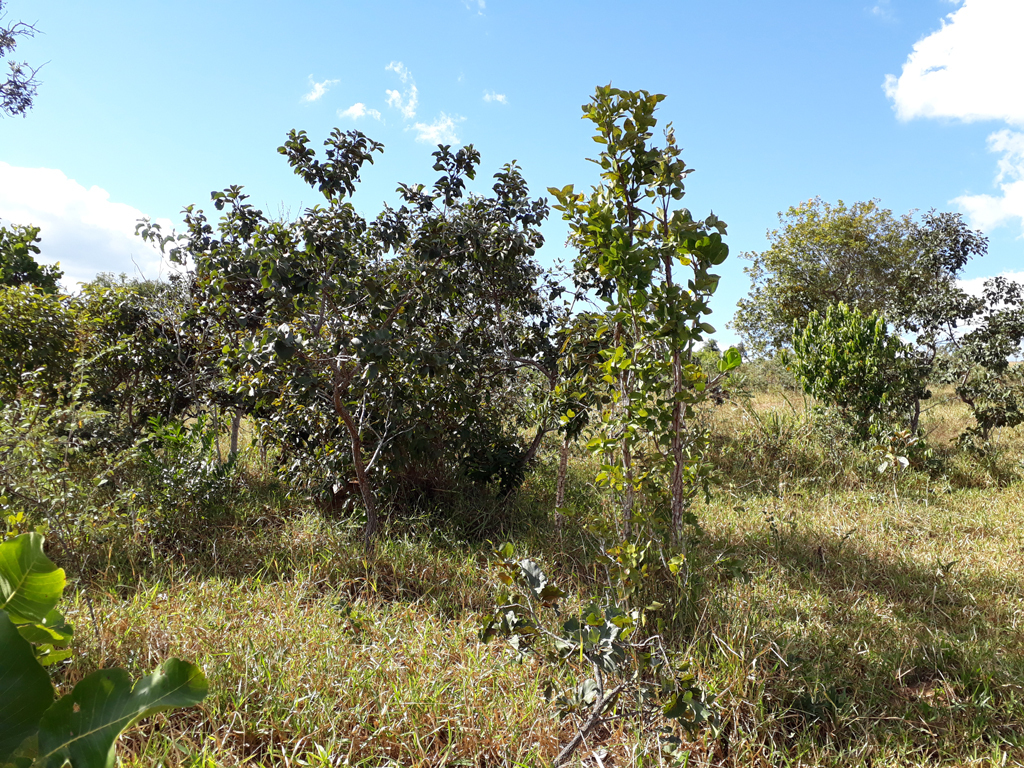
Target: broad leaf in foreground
[
  {"x": 83, "y": 726},
  {"x": 25, "y": 689},
  {"x": 30, "y": 584}
]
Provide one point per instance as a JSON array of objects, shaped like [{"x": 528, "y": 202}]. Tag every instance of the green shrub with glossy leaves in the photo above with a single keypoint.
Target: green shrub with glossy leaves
[{"x": 850, "y": 360}]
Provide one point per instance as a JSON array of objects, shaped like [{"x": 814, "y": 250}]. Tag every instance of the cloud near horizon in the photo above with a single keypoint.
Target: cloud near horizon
[
  {"x": 968, "y": 71},
  {"x": 976, "y": 285},
  {"x": 81, "y": 228}
]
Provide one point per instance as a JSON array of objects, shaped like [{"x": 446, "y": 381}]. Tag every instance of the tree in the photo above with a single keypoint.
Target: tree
[
  {"x": 651, "y": 267},
  {"x": 401, "y": 337},
  {"x": 138, "y": 358},
  {"x": 905, "y": 270},
  {"x": 860, "y": 255},
  {"x": 850, "y": 360},
  {"x": 37, "y": 336},
  {"x": 19, "y": 89},
  {"x": 17, "y": 260}
]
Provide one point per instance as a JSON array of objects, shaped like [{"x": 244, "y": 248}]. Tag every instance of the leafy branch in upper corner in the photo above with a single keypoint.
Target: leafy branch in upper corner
[
  {"x": 18, "y": 90},
  {"x": 632, "y": 675},
  {"x": 79, "y": 729}
]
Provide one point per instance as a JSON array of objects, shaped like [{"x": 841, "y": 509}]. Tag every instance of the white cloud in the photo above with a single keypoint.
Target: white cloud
[
  {"x": 358, "y": 110},
  {"x": 976, "y": 285},
  {"x": 403, "y": 102},
  {"x": 81, "y": 228},
  {"x": 399, "y": 69},
  {"x": 317, "y": 90},
  {"x": 968, "y": 70},
  {"x": 480, "y": 5},
  {"x": 498, "y": 97},
  {"x": 441, "y": 131},
  {"x": 990, "y": 211}
]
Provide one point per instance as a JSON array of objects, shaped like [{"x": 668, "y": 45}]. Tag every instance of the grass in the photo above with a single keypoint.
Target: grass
[{"x": 876, "y": 626}]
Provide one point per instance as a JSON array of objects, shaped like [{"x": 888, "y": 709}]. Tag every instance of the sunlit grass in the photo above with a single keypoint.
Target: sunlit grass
[{"x": 881, "y": 624}]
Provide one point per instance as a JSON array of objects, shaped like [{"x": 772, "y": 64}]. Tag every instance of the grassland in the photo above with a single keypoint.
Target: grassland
[{"x": 878, "y": 622}]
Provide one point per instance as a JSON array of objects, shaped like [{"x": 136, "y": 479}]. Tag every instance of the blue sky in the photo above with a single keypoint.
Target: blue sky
[{"x": 145, "y": 107}]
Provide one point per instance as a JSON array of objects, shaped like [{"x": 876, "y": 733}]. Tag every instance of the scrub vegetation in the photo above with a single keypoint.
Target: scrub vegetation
[{"x": 400, "y": 496}]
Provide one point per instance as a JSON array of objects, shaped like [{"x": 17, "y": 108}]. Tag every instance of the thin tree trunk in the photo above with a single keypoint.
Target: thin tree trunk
[
  {"x": 216, "y": 433},
  {"x": 369, "y": 502},
  {"x": 236, "y": 419},
  {"x": 678, "y": 459},
  {"x": 628, "y": 492},
  {"x": 563, "y": 471}
]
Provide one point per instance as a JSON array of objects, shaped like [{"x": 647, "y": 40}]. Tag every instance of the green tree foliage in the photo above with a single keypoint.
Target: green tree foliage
[
  {"x": 906, "y": 271},
  {"x": 37, "y": 336},
  {"x": 401, "y": 337},
  {"x": 80, "y": 728},
  {"x": 625, "y": 670},
  {"x": 138, "y": 353},
  {"x": 17, "y": 260},
  {"x": 850, "y": 360},
  {"x": 19, "y": 88},
  {"x": 861, "y": 255},
  {"x": 651, "y": 267}
]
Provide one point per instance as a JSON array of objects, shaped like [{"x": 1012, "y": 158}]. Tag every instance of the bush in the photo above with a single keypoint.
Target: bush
[{"x": 851, "y": 361}]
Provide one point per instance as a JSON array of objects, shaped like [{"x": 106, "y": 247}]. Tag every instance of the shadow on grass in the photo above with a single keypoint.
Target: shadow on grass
[
  {"x": 434, "y": 555},
  {"x": 859, "y": 647}
]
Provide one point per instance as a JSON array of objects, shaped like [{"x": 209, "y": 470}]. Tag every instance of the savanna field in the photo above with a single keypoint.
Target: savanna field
[
  {"x": 865, "y": 619},
  {"x": 389, "y": 492}
]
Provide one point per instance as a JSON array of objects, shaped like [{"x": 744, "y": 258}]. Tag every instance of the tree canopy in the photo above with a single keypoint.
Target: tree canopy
[{"x": 861, "y": 255}]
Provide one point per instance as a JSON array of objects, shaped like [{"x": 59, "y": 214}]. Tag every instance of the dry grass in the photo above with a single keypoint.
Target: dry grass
[{"x": 880, "y": 626}]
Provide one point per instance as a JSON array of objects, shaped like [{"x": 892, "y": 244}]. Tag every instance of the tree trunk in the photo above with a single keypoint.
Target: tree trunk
[
  {"x": 563, "y": 471},
  {"x": 678, "y": 481},
  {"x": 628, "y": 492},
  {"x": 915, "y": 418},
  {"x": 216, "y": 433},
  {"x": 369, "y": 502},
  {"x": 236, "y": 419}
]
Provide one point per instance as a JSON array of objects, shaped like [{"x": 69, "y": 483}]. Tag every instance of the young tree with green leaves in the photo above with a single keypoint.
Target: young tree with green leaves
[
  {"x": 905, "y": 270},
  {"x": 850, "y": 360},
  {"x": 651, "y": 266}
]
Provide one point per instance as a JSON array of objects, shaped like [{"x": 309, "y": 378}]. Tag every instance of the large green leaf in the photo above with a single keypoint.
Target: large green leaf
[
  {"x": 53, "y": 630},
  {"x": 25, "y": 689},
  {"x": 83, "y": 726},
  {"x": 30, "y": 584}
]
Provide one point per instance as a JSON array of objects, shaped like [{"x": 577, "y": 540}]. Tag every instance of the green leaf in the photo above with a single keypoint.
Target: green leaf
[
  {"x": 731, "y": 359},
  {"x": 83, "y": 726},
  {"x": 533, "y": 576},
  {"x": 30, "y": 584},
  {"x": 25, "y": 689},
  {"x": 52, "y": 630}
]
